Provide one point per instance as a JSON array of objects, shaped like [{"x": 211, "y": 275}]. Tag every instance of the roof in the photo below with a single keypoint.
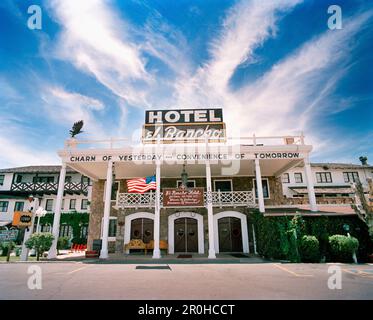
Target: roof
[
  {"x": 36, "y": 169},
  {"x": 332, "y": 165}
]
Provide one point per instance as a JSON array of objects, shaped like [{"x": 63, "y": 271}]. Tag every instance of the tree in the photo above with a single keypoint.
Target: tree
[
  {"x": 364, "y": 160},
  {"x": 40, "y": 242},
  {"x": 361, "y": 206},
  {"x": 77, "y": 128}
]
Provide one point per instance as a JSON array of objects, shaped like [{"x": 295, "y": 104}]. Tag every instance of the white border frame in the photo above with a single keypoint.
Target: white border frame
[
  {"x": 269, "y": 189},
  {"x": 102, "y": 223},
  {"x": 171, "y": 228},
  {"x": 127, "y": 224},
  {"x": 244, "y": 230}
]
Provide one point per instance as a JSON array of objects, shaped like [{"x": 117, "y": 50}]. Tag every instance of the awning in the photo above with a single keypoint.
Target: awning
[{"x": 327, "y": 190}]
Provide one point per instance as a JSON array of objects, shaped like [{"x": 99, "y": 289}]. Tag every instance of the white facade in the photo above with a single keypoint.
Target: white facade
[
  {"x": 337, "y": 177},
  {"x": 17, "y": 184}
]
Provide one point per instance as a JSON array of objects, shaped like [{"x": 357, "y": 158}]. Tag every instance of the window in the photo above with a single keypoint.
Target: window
[
  {"x": 19, "y": 206},
  {"x": 86, "y": 180},
  {"x": 265, "y": 187},
  {"x": 351, "y": 176},
  {"x": 67, "y": 179},
  {"x": 84, "y": 204},
  {"x": 43, "y": 179},
  {"x": 298, "y": 177},
  {"x": 45, "y": 228},
  {"x": 4, "y": 206},
  {"x": 19, "y": 178},
  {"x": 285, "y": 178},
  {"x": 2, "y": 179},
  {"x": 114, "y": 190},
  {"x": 84, "y": 231},
  {"x": 49, "y": 205},
  {"x": 190, "y": 183},
  {"x": 63, "y": 204},
  {"x": 223, "y": 185},
  {"x": 66, "y": 230},
  {"x": 112, "y": 228},
  {"x": 72, "y": 204},
  {"x": 322, "y": 177}
]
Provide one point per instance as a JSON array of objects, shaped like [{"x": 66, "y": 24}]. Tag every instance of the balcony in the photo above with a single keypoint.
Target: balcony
[
  {"x": 47, "y": 187},
  {"x": 219, "y": 199}
]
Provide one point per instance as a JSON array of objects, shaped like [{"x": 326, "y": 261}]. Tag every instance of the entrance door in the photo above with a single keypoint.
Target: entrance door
[
  {"x": 186, "y": 235},
  {"x": 142, "y": 228},
  {"x": 230, "y": 236}
]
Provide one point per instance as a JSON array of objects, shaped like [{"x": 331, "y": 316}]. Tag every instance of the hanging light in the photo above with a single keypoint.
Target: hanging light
[{"x": 184, "y": 178}]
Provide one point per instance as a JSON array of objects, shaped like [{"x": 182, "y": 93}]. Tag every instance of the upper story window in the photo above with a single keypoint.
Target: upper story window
[
  {"x": 19, "y": 205},
  {"x": 190, "y": 183},
  {"x": 43, "y": 179},
  {"x": 265, "y": 188},
  {"x": 84, "y": 204},
  {"x": 323, "y": 177},
  {"x": 19, "y": 178},
  {"x": 72, "y": 204},
  {"x": 114, "y": 190},
  {"x": 67, "y": 179},
  {"x": 2, "y": 176},
  {"x": 351, "y": 176},
  {"x": 4, "y": 206},
  {"x": 49, "y": 205},
  {"x": 298, "y": 177},
  {"x": 223, "y": 185},
  {"x": 86, "y": 180},
  {"x": 285, "y": 178}
]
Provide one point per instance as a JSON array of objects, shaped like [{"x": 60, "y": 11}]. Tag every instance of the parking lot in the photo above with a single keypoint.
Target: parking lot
[{"x": 78, "y": 280}]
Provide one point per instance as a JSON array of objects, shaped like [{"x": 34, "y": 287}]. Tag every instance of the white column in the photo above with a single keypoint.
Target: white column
[
  {"x": 309, "y": 181},
  {"x": 157, "y": 212},
  {"x": 24, "y": 253},
  {"x": 210, "y": 213},
  {"x": 105, "y": 227},
  {"x": 259, "y": 186},
  {"x": 57, "y": 212}
]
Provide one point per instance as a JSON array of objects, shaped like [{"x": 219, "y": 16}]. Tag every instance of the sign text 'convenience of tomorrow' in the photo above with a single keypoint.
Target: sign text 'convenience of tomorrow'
[
  {"x": 150, "y": 157},
  {"x": 183, "y": 125}
]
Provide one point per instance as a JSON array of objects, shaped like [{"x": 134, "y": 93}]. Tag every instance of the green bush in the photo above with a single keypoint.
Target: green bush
[
  {"x": 342, "y": 247},
  {"x": 309, "y": 249},
  {"x": 63, "y": 243},
  {"x": 40, "y": 242}
]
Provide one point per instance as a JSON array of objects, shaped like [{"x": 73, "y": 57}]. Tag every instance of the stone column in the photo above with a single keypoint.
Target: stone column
[
  {"x": 57, "y": 212},
  {"x": 210, "y": 213},
  {"x": 107, "y": 205},
  {"x": 157, "y": 212},
  {"x": 259, "y": 186},
  {"x": 310, "y": 187}
]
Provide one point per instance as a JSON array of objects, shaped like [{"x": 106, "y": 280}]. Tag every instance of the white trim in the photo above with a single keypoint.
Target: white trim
[
  {"x": 127, "y": 224},
  {"x": 244, "y": 230},
  {"x": 230, "y": 180},
  {"x": 171, "y": 233},
  {"x": 191, "y": 180},
  {"x": 269, "y": 191}
]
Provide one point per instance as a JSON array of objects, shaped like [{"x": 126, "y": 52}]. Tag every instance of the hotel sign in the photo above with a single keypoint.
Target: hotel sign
[
  {"x": 8, "y": 235},
  {"x": 185, "y": 125},
  {"x": 183, "y": 197},
  {"x": 22, "y": 219}
]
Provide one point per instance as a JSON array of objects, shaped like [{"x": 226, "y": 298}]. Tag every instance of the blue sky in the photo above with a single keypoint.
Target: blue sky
[{"x": 273, "y": 66}]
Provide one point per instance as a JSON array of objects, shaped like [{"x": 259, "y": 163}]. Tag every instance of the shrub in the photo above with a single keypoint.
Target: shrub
[
  {"x": 63, "y": 243},
  {"x": 310, "y": 249},
  {"x": 40, "y": 242},
  {"x": 342, "y": 247}
]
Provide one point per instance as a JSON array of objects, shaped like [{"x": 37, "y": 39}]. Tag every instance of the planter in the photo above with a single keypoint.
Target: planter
[{"x": 92, "y": 254}]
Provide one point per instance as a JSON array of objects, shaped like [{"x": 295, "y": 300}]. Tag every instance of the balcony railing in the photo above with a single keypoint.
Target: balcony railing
[
  {"x": 48, "y": 187},
  {"x": 219, "y": 199}
]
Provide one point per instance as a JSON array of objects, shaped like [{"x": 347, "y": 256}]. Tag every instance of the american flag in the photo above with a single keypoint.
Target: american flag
[{"x": 141, "y": 185}]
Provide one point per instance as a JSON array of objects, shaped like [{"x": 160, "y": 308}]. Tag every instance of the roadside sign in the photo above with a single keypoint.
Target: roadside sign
[
  {"x": 8, "y": 235},
  {"x": 22, "y": 219}
]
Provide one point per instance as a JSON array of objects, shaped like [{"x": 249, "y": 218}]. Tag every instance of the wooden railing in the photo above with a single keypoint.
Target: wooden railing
[
  {"x": 219, "y": 199},
  {"x": 49, "y": 187}
]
